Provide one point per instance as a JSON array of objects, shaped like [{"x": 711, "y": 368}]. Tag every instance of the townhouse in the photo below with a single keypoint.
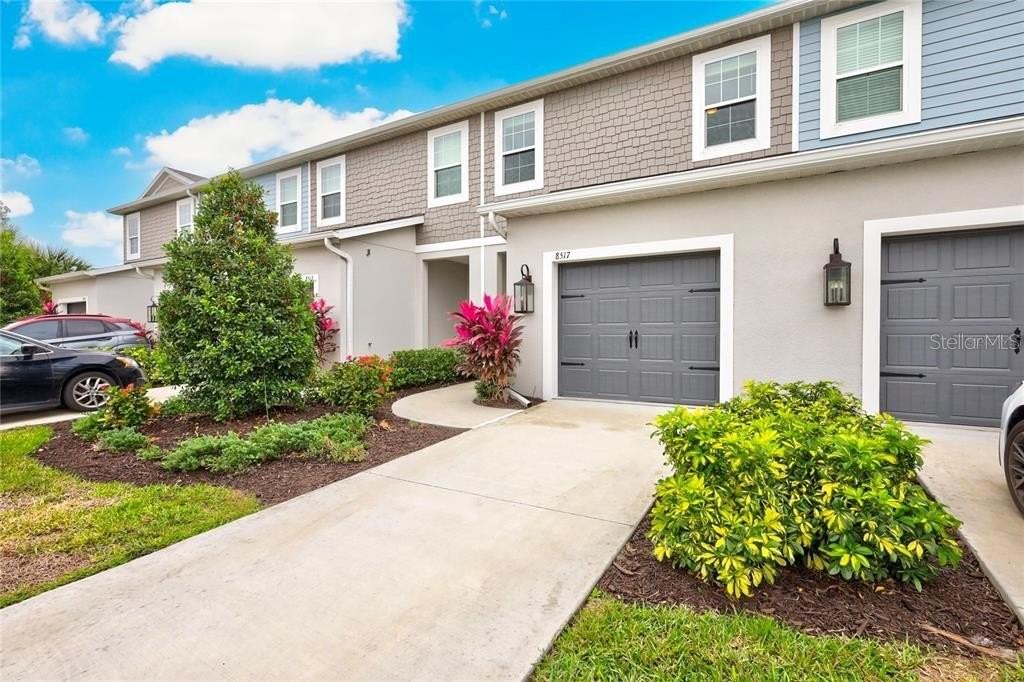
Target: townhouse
[{"x": 676, "y": 205}]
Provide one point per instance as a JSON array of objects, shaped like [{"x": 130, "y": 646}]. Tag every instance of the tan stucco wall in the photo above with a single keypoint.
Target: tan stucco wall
[
  {"x": 783, "y": 234},
  {"x": 447, "y": 284}
]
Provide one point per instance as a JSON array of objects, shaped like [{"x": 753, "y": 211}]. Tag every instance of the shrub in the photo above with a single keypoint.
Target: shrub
[
  {"x": 359, "y": 385},
  {"x": 326, "y": 329},
  {"x": 89, "y": 427},
  {"x": 424, "y": 366},
  {"x": 485, "y": 390},
  {"x": 235, "y": 319},
  {"x": 795, "y": 472},
  {"x": 177, "y": 406},
  {"x": 219, "y": 454},
  {"x": 490, "y": 336},
  {"x": 127, "y": 407},
  {"x": 123, "y": 440},
  {"x": 150, "y": 453},
  {"x": 153, "y": 361}
]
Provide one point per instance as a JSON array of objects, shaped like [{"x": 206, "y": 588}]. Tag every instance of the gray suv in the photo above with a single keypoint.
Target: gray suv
[{"x": 83, "y": 332}]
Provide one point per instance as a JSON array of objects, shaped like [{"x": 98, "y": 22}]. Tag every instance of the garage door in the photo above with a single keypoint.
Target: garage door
[
  {"x": 952, "y": 310},
  {"x": 641, "y": 329}
]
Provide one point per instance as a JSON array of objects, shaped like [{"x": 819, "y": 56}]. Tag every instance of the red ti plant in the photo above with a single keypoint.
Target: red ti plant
[
  {"x": 143, "y": 331},
  {"x": 489, "y": 336},
  {"x": 327, "y": 329},
  {"x": 49, "y": 307}
]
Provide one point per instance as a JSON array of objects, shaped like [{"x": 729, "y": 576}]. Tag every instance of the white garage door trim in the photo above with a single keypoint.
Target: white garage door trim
[
  {"x": 874, "y": 230},
  {"x": 723, "y": 243}
]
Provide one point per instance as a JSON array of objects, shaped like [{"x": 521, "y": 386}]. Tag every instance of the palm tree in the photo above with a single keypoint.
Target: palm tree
[{"x": 55, "y": 260}]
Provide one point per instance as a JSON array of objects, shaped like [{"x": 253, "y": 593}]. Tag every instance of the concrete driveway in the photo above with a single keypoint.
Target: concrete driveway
[
  {"x": 961, "y": 470},
  {"x": 460, "y": 561}
]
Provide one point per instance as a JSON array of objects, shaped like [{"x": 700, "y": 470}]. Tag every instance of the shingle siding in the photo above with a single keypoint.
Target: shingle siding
[
  {"x": 972, "y": 67},
  {"x": 158, "y": 226}
]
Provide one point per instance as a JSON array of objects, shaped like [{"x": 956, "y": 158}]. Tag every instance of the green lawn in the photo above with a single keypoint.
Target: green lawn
[
  {"x": 56, "y": 528},
  {"x": 612, "y": 640}
]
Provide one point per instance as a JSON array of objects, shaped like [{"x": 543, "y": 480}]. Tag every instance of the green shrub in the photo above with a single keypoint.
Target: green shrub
[
  {"x": 424, "y": 366},
  {"x": 153, "y": 361},
  {"x": 235, "y": 321},
  {"x": 177, "y": 406},
  {"x": 89, "y": 427},
  {"x": 150, "y": 453},
  {"x": 127, "y": 407},
  {"x": 219, "y": 454},
  {"x": 360, "y": 385},
  {"x": 486, "y": 390},
  {"x": 124, "y": 439},
  {"x": 795, "y": 472}
]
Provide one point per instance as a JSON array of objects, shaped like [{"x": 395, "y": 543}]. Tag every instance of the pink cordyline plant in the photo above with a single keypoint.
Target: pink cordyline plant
[
  {"x": 50, "y": 308},
  {"x": 327, "y": 329},
  {"x": 489, "y": 335}
]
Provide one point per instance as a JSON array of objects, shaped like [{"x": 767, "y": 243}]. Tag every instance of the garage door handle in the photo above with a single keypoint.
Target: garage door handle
[
  {"x": 919, "y": 280},
  {"x": 903, "y": 374},
  {"x": 629, "y": 338},
  {"x": 694, "y": 291},
  {"x": 572, "y": 364},
  {"x": 705, "y": 369},
  {"x": 1015, "y": 340}
]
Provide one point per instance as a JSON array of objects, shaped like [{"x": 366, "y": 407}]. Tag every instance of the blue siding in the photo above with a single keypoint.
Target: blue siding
[
  {"x": 269, "y": 184},
  {"x": 972, "y": 69}
]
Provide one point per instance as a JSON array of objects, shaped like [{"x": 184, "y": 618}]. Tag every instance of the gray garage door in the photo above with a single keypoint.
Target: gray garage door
[
  {"x": 952, "y": 308},
  {"x": 642, "y": 329}
]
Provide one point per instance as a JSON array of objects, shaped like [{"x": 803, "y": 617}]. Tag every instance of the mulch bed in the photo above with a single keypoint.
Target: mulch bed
[
  {"x": 271, "y": 482},
  {"x": 960, "y": 601}
]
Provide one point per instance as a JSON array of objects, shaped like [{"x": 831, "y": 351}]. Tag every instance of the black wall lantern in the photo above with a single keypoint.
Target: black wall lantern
[
  {"x": 837, "y": 278},
  {"x": 151, "y": 311},
  {"x": 523, "y": 291}
]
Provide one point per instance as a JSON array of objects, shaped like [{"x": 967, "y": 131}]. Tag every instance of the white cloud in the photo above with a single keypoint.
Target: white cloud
[
  {"x": 76, "y": 135},
  {"x": 262, "y": 34},
  {"x": 19, "y": 203},
  {"x": 236, "y": 138},
  {"x": 68, "y": 22},
  {"x": 94, "y": 228},
  {"x": 121, "y": 151},
  {"x": 23, "y": 165}
]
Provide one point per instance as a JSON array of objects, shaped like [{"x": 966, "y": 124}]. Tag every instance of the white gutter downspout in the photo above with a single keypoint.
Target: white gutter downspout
[
  {"x": 349, "y": 296},
  {"x": 483, "y": 228}
]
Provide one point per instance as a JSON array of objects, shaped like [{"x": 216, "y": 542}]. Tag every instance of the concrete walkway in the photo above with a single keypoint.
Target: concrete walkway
[
  {"x": 449, "y": 406},
  {"x": 17, "y": 420},
  {"x": 961, "y": 469},
  {"x": 461, "y": 561}
]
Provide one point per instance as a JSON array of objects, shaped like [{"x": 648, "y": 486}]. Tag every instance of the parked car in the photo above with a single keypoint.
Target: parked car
[
  {"x": 35, "y": 375},
  {"x": 1011, "y": 445},
  {"x": 81, "y": 331}
]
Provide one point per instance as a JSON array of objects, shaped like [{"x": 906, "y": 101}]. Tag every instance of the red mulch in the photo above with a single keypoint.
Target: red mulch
[
  {"x": 271, "y": 482},
  {"x": 961, "y": 600}
]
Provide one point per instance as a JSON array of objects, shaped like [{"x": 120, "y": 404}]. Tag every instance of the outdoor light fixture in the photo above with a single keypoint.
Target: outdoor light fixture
[
  {"x": 837, "y": 278},
  {"x": 151, "y": 311},
  {"x": 523, "y": 291}
]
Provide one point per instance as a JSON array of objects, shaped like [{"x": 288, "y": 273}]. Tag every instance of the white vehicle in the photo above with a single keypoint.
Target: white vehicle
[{"x": 1011, "y": 445}]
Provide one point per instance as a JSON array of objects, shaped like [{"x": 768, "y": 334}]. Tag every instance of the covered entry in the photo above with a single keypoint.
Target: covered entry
[
  {"x": 642, "y": 329},
  {"x": 952, "y": 308}
]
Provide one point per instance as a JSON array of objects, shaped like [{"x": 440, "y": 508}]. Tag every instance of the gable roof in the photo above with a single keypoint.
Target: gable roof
[{"x": 169, "y": 180}]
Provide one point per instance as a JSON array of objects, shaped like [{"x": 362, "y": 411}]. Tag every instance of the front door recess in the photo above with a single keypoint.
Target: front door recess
[{"x": 640, "y": 329}]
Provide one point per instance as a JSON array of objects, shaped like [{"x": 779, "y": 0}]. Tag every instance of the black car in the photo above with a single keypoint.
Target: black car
[{"x": 35, "y": 375}]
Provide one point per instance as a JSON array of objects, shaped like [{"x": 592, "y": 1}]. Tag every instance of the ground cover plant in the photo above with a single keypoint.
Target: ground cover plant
[
  {"x": 424, "y": 366},
  {"x": 126, "y": 409},
  {"x": 56, "y": 527},
  {"x": 489, "y": 337},
  {"x": 796, "y": 473}
]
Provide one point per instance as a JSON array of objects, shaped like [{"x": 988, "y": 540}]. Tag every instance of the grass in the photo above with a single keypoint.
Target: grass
[
  {"x": 66, "y": 528},
  {"x": 612, "y": 640}
]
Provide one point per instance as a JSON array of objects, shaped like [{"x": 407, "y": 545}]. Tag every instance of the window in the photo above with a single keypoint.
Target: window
[
  {"x": 448, "y": 165},
  {"x": 871, "y": 68},
  {"x": 84, "y": 328},
  {"x": 732, "y": 99},
  {"x": 41, "y": 331},
  {"x": 9, "y": 346},
  {"x": 313, "y": 282},
  {"x": 186, "y": 209},
  {"x": 133, "y": 232},
  {"x": 519, "y": 148},
  {"x": 330, "y": 186},
  {"x": 288, "y": 209}
]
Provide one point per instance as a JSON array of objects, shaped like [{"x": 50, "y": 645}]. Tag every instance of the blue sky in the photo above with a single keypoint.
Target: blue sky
[{"x": 97, "y": 96}]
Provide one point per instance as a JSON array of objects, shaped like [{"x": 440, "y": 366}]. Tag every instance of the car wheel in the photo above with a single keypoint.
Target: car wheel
[
  {"x": 87, "y": 391},
  {"x": 1013, "y": 465}
]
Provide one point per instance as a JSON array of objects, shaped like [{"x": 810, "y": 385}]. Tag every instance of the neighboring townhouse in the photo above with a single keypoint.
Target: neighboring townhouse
[{"x": 676, "y": 205}]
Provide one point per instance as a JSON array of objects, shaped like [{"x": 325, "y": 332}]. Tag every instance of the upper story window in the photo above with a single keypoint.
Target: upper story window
[
  {"x": 133, "y": 234},
  {"x": 871, "y": 68},
  {"x": 288, "y": 206},
  {"x": 519, "y": 148},
  {"x": 186, "y": 210},
  {"x": 330, "y": 186},
  {"x": 732, "y": 92},
  {"x": 448, "y": 165}
]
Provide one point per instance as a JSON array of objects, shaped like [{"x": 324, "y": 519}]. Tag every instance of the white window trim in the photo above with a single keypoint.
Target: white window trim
[
  {"x": 874, "y": 231},
  {"x": 315, "y": 279},
  {"x": 463, "y": 129},
  {"x": 911, "y": 113},
  {"x": 340, "y": 219},
  {"x": 762, "y": 46},
  {"x": 177, "y": 213},
  {"x": 548, "y": 293},
  {"x": 283, "y": 175},
  {"x": 132, "y": 255},
  {"x": 75, "y": 299},
  {"x": 500, "y": 188}
]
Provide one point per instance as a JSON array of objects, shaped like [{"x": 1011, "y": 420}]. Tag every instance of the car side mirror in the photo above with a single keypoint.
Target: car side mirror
[{"x": 29, "y": 349}]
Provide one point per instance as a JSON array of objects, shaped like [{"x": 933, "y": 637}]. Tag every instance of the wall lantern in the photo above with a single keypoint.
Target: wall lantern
[
  {"x": 837, "y": 278},
  {"x": 523, "y": 291},
  {"x": 151, "y": 311}
]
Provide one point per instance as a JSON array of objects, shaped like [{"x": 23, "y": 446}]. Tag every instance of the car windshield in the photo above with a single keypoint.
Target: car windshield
[{"x": 8, "y": 346}]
